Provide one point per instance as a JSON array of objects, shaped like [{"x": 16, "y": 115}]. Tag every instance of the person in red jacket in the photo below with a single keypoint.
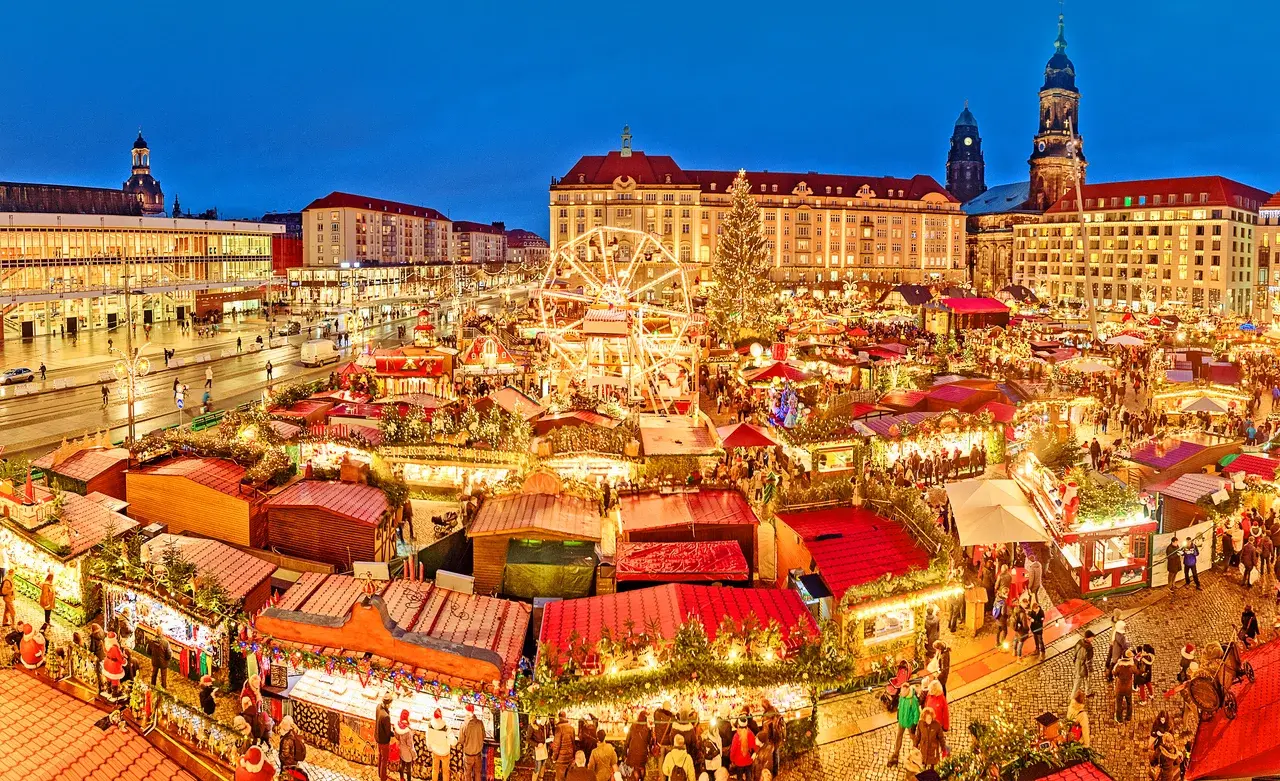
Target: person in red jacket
[
  {"x": 742, "y": 749},
  {"x": 937, "y": 700}
]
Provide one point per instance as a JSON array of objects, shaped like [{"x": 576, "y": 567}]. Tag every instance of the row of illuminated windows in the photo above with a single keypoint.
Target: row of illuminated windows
[{"x": 58, "y": 243}]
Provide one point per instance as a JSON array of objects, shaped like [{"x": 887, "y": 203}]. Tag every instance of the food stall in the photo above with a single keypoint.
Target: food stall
[
  {"x": 335, "y": 645},
  {"x": 199, "y": 637},
  {"x": 914, "y": 436},
  {"x": 43, "y": 533},
  {"x": 1106, "y": 550}
]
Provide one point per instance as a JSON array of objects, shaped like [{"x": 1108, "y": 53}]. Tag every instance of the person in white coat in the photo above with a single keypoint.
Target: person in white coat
[{"x": 440, "y": 741}]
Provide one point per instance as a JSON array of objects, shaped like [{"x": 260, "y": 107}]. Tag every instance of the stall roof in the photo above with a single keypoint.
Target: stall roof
[
  {"x": 238, "y": 572},
  {"x": 1158, "y": 456},
  {"x": 577, "y": 417},
  {"x": 512, "y": 400},
  {"x": 88, "y": 522},
  {"x": 694, "y": 508},
  {"x": 220, "y": 474},
  {"x": 953, "y": 393},
  {"x": 779, "y": 370},
  {"x": 1247, "y": 746},
  {"x": 681, "y": 561},
  {"x": 83, "y": 465},
  {"x": 974, "y": 306},
  {"x": 1179, "y": 375},
  {"x": 563, "y": 515},
  {"x": 676, "y": 436},
  {"x": 356, "y": 501},
  {"x": 861, "y": 409},
  {"x": 667, "y": 607},
  {"x": 852, "y": 546},
  {"x": 421, "y": 615},
  {"x": 1191, "y": 487},
  {"x": 57, "y": 737},
  {"x": 1251, "y": 464},
  {"x": 880, "y": 426},
  {"x": 903, "y": 399},
  {"x": 1224, "y": 373},
  {"x": 1000, "y": 412}
]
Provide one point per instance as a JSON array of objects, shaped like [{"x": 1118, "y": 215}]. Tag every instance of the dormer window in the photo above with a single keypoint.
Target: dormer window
[
  {"x": 713, "y": 187},
  {"x": 839, "y": 191},
  {"x": 582, "y": 178},
  {"x": 828, "y": 189}
]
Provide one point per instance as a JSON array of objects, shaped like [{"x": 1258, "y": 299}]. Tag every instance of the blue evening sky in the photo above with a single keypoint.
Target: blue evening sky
[{"x": 471, "y": 107}]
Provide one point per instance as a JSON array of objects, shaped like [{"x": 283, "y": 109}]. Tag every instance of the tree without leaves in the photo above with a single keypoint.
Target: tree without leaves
[{"x": 744, "y": 297}]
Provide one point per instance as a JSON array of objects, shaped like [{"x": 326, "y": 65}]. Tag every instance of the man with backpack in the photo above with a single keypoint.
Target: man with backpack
[
  {"x": 678, "y": 766},
  {"x": 292, "y": 748}
]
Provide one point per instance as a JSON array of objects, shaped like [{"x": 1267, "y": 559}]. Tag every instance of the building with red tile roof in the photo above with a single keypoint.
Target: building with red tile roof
[
  {"x": 668, "y": 606},
  {"x": 401, "y": 232},
  {"x": 1213, "y": 212},
  {"x": 1255, "y": 465},
  {"x": 846, "y": 547},
  {"x": 53, "y": 735},
  {"x": 246, "y": 578},
  {"x": 84, "y": 470},
  {"x": 333, "y": 522},
  {"x": 539, "y": 520},
  {"x": 690, "y": 204}
]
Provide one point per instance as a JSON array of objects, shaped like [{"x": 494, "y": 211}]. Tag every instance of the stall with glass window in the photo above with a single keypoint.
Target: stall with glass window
[{"x": 1104, "y": 540}]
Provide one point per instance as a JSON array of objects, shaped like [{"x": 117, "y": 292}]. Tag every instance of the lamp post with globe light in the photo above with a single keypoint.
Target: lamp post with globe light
[{"x": 129, "y": 369}]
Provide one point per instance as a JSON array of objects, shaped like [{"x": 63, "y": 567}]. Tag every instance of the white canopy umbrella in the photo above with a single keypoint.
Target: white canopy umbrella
[
  {"x": 978, "y": 492},
  {"x": 1205, "y": 404},
  {"x": 1126, "y": 340},
  {"x": 999, "y": 525}
]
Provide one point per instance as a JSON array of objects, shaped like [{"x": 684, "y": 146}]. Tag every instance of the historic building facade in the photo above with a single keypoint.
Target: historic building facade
[
  {"x": 826, "y": 232},
  {"x": 1268, "y": 242},
  {"x": 1186, "y": 241},
  {"x": 994, "y": 212}
]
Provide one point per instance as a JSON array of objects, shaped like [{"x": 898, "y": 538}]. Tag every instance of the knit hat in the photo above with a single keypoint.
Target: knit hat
[
  {"x": 404, "y": 718},
  {"x": 1188, "y": 651}
]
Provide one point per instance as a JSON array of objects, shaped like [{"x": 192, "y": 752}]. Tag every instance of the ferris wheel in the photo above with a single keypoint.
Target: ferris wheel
[{"x": 617, "y": 315}]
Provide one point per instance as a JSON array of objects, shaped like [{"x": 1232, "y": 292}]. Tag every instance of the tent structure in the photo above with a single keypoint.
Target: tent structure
[
  {"x": 1125, "y": 340},
  {"x": 744, "y": 435},
  {"x": 779, "y": 370},
  {"x": 993, "y": 512},
  {"x": 1205, "y": 404},
  {"x": 1088, "y": 366}
]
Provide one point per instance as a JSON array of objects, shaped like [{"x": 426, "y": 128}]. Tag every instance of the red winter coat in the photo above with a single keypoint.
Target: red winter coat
[
  {"x": 940, "y": 710},
  {"x": 742, "y": 748}
]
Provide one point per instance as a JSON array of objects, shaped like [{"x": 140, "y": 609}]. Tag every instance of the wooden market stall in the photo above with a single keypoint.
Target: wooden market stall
[
  {"x": 334, "y": 522},
  {"x": 693, "y": 515},
  {"x": 204, "y": 496},
  {"x": 200, "y": 638},
  {"x": 86, "y": 465},
  {"x": 335, "y": 645},
  {"x": 537, "y": 543},
  {"x": 41, "y": 534}
]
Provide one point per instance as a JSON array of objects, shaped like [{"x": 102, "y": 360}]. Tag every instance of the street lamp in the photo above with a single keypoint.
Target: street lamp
[{"x": 129, "y": 369}]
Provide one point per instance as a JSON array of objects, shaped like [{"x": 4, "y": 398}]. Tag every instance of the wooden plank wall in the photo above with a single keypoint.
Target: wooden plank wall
[
  {"x": 311, "y": 533},
  {"x": 188, "y": 507},
  {"x": 489, "y": 559}
]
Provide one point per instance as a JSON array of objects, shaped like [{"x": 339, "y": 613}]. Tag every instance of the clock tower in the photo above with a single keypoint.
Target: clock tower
[
  {"x": 1052, "y": 166},
  {"x": 966, "y": 171}
]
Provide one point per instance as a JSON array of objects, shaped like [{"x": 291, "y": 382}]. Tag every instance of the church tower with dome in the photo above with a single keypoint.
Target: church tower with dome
[
  {"x": 141, "y": 184},
  {"x": 1052, "y": 166},
  {"x": 966, "y": 171}
]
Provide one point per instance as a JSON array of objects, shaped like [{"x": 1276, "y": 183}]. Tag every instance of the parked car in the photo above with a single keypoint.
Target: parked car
[
  {"x": 15, "y": 376},
  {"x": 291, "y": 328}
]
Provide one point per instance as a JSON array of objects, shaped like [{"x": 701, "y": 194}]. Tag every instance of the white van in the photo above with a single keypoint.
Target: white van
[{"x": 318, "y": 352}]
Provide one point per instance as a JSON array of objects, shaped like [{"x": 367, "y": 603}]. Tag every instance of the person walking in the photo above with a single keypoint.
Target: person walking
[
  {"x": 208, "y": 376},
  {"x": 207, "y": 704},
  {"x": 382, "y": 735},
  {"x": 293, "y": 750},
  {"x": 1119, "y": 645},
  {"x": 932, "y": 626},
  {"x": 239, "y": 345},
  {"x": 1144, "y": 662},
  {"x": 603, "y": 762},
  {"x": 1021, "y": 626},
  {"x": 472, "y": 739},
  {"x": 942, "y": 652},
  {"x": 1249, "y": 629},
  {"x": 160, "y": 653},
  {"x": 47, "y": 599},
  {"x": 636, "y": 748},
  {"x": 403, "y": 734},
  {"x": 1173, "y": 560},
  {"x": 1036, "y": 616},
  {"x": 936, "y": 700},
  {"x": 908, "y": 718},
  {"x": 1248, "y": 562},
  {"x": 43, "y": 371},
  {"x": 563, "y": 746},
  {"x": 1083, "y": 664},
  {"x": 1124, "y": 673},
  {"x": 930, "y": 739},
  {"x": 270, "y": 371},
  {"x": 105, "y": 396},
  {"x": 1035, "y": 576}
]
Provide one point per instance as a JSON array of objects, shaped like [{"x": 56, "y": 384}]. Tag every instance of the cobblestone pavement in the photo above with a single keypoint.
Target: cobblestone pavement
[{"x": 1173, "y": 619}]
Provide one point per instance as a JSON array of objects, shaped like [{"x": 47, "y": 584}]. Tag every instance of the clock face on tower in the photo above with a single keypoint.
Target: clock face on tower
[
  {"x": 1040, "y": 146},
  {"x": 968, "y": 141}
]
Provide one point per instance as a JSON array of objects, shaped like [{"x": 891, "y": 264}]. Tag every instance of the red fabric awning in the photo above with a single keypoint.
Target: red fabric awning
[
  {"x": 974, "y": 306},
  {"x": 745, "y": 435},
  {"x": 681, "y": 561},
  {"x": 777, "y": 370},
  {"x": 1000, "y": 413}
]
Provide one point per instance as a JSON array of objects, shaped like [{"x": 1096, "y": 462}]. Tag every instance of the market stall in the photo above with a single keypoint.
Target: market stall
[
  {"x": 335, "y": 650},
  {"x": 1098, "y": 524},
  {"x": 199, "y": 633},
  {"x": 967, "y": 442},
  {"x": 43, "y": 533}
]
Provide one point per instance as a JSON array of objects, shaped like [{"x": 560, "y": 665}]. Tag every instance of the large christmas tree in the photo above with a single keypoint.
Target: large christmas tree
[{"x": 743, "y": 300}]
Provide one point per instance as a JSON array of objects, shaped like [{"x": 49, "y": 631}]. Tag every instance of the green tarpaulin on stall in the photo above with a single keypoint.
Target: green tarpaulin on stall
[{"x": 543, "y": 568}]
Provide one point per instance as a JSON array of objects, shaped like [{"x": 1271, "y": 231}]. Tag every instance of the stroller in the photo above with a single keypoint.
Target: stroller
[{"x": 892, "y": 689}]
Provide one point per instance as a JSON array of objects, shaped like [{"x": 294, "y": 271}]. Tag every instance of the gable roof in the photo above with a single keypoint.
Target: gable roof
[
  {"x": 974, "y": 306},
  {"x": 1252, "y": 464},
  {"x": 645, "y": 169},
  {"x": 341, "y": 200},
  {"x": 220, "y": 474},
  {"x": 1000, "y": 199},
  {"x": 358, "y": 502},
  {"x": 695, "y": 508},
  {"x": 85, "y": 464},
  {"x": 852, "y": 546},
  {"x": 564, "y": 516},
  {"x": 842, "y": 185},
  {"x": 1191, "y": 487},
  {"x": 238, "y": 572},
  {"x": 1220, "y": 191},
  {"x": 1156, "y": 456},
  {"x": 88, "y": 522}
]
